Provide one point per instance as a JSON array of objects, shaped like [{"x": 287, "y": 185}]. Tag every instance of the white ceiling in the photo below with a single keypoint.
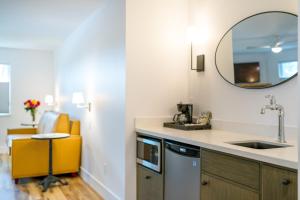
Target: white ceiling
[
  {"x": 266, "y": 30},
  {"x": 41, "y": 24}
]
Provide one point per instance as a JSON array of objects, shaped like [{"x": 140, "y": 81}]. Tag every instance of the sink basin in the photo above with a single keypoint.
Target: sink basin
[{"x": 259, "y": 144}]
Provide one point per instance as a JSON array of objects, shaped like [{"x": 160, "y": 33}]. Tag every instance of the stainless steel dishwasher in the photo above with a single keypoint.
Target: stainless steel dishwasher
[{"x": 182, "y": 171}]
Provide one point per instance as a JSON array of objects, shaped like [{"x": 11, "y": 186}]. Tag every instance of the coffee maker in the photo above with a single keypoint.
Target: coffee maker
[{"x": 185, "y": 115}]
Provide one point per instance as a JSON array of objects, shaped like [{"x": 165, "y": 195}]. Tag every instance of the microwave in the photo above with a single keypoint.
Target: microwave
[{"x": 149, "y": 153}]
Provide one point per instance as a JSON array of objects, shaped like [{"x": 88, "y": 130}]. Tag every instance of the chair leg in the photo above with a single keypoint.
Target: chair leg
[
  {"x": 75, "y": 174},
  {"x": 16, "y": 181}
]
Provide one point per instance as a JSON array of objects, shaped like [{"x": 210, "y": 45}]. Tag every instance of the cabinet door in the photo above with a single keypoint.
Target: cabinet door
[
  {"x": 239, "y": 170},
  {"x": 149, "y": 184},
  {"x": 278, "y": 184},
  {"x": 216, "y": 189}
]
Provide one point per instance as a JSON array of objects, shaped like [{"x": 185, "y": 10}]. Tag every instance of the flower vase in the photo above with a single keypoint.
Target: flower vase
[{"x": 33, "y": 112}]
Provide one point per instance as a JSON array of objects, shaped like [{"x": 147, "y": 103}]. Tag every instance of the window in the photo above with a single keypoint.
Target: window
[
  {"x": 4, "y": 73},
  {"x": 287, "y": 69},
  {"x": 4, "y": 89}
]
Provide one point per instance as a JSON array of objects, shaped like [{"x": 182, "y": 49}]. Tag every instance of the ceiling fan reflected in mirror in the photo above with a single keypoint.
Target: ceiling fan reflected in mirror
[{"x": 277, "y": 46}]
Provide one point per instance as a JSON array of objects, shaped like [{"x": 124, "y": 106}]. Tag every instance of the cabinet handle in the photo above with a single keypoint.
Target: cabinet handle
[
  {"x": 286, "y": 182},
  {"x": 147, "y": 177},
  {"x": 204, "y": 183}
]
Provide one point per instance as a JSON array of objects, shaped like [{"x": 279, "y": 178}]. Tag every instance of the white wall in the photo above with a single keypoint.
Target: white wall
[
  {"x": 92, "y": 60},
  {"x": 32, "y": 76},
  {"x": 157, "y": 67},
  {"x": 298, "y": 100},
  {"x": 157, "y": 77},
  {"x": 209, "y": 91}
]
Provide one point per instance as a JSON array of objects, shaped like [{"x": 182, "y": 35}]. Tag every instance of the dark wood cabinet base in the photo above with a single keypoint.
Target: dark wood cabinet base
[
  {"x": 149, "y": 184},
  {"x": 229, "y": 177}
]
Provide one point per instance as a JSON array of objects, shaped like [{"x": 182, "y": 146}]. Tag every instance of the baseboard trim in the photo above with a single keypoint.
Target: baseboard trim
[{"x": 98, "y": 186}]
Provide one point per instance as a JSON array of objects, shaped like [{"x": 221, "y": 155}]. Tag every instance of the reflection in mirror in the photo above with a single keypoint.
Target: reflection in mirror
[
  {"x": 260, "y": 51},
  {"x": 4, "y": 89}
]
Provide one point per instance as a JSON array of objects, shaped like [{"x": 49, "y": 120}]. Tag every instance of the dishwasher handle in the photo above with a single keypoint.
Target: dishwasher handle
[{"x": 184, "y": 150}]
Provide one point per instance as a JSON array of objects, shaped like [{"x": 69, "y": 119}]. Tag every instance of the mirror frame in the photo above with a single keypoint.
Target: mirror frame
[{"x": 261, "y": 13}]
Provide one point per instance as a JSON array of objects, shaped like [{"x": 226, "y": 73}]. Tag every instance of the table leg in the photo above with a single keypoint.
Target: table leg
[{"x": 50, "y": 178}]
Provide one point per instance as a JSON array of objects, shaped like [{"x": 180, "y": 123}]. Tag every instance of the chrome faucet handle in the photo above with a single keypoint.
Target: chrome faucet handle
[{"x": 271, "y": 98}]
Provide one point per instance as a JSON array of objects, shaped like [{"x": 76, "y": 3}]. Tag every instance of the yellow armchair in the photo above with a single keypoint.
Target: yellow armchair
[
  {"x": 29, "y": 157},
  {"x": 21, "y": 131}
]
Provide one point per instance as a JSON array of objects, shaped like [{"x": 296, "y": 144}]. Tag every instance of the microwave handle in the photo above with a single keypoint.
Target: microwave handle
[{"x": 148, "y": 141}]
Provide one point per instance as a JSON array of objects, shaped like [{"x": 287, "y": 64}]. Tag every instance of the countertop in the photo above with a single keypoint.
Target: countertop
[{"x": 218, "y": 140}]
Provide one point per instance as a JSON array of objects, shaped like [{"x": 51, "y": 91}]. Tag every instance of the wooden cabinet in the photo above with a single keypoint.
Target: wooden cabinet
[
  {"x": 213, "y": 188},
  {"x": 229, "y": 177},
  {"x": 226, "y": 177},
  {"x": 236, "y": 169},
  {"x": 149, "y": 184},
  {"x": 278, "y": 184}
]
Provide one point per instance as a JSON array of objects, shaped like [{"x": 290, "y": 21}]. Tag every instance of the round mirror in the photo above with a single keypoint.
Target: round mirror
[{"x": 260, "y": 51}]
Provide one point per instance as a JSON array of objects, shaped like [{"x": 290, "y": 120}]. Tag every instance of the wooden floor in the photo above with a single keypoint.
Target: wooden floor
[{"x": 28, "y": 189}]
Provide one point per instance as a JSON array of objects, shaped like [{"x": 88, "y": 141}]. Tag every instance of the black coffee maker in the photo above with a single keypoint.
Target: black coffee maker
[{"x": 185, "y": 115}]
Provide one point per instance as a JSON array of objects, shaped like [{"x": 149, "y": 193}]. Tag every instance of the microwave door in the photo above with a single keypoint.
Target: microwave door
[{"x": 149, "y": 153}]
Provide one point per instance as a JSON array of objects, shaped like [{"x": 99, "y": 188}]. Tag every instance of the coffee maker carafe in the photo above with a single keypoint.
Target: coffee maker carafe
[{"x": 185, "y": 115}]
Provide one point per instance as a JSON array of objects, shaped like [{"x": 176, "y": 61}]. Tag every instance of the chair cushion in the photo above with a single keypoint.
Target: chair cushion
[
  {"x": 10, "y": 138},
  {"x": 47, "y": 122}
]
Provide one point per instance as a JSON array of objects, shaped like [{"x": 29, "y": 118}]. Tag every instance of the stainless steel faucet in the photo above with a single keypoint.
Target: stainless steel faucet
[{"x": 274, "y": 106}]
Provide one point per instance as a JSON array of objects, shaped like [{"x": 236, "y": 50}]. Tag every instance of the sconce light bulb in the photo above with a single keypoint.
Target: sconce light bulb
[
  {"x": 49, "y": 100},
  {"x": 78, "y": 99}
]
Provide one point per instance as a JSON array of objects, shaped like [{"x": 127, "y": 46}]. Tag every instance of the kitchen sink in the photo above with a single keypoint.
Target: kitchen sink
[{"x": 259, "y": 144}]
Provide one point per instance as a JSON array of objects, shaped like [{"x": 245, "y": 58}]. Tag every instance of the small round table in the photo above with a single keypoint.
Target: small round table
[
  {"x": 50, "y": 179},
  {"x": 29, "y": 124}
]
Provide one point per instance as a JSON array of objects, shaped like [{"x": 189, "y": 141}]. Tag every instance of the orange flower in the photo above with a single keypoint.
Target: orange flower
[{"x": 31, "y": 104}]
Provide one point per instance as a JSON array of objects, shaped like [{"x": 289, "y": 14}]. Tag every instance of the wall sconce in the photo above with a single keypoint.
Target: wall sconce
[
  {"x": 49, "y": 100},
  {"x": 193, "y": 36},
  {"x": 200, "y": 63},
  {"x": 78, "y": 99}
]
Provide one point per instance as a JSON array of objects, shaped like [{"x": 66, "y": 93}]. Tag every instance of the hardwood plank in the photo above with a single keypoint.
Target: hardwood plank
[{"x": 29, "y": 189}]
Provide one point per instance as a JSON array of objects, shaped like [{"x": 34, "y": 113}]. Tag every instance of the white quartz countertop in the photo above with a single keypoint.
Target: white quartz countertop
[{"x": 218, "y": 140}]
